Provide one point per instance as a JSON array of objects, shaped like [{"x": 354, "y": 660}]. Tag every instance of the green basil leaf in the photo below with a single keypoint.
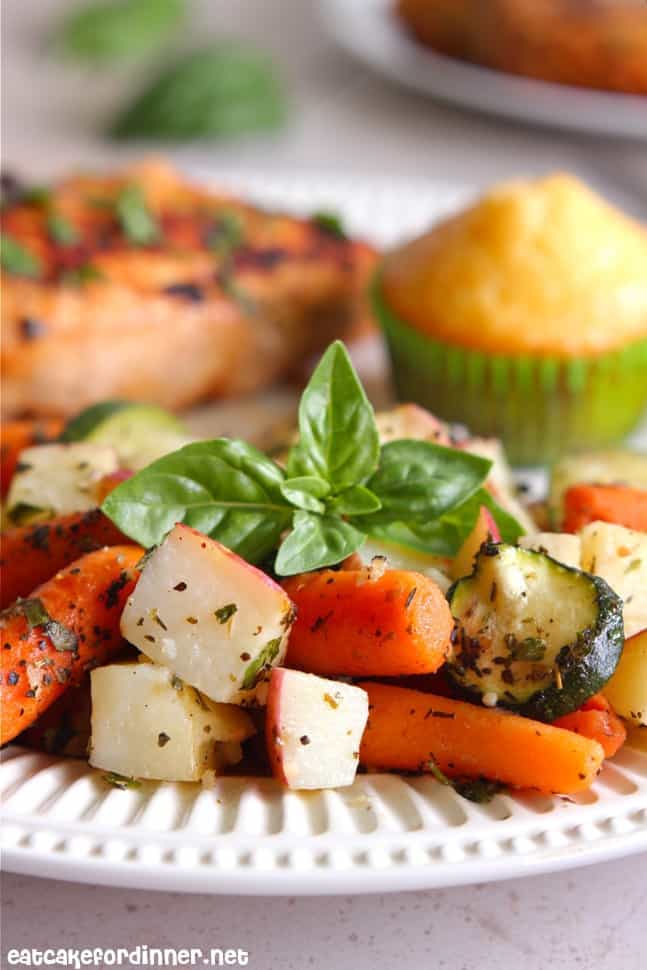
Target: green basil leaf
[
  {"x": 330, "y": 223},
  {"x": 118, "y": 29},
  {"x": 16, "y": 259},
  {"x": 417, "y": 481},
  {"x": 223, "y": 90},
  {"x": 61, "y": 231},
  {"x": 445, "y": 536},
  {"x": 135, "y": 218},
  {"x": 306, "y": 492},
  {"x": 338, "y": 437},
  {"x": 316, "y": 541},
  {"x": 225, "y": 488},
  {"x": 356, "y": 500}
]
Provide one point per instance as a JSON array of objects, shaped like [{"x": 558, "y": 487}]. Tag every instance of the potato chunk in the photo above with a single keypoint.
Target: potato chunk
[{"x": 146, "y": 723}]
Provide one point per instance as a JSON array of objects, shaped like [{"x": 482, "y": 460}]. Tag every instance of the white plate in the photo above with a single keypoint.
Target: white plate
[
  {"x": 369, "y": 30},
  {"x": 252, "y": 836}
]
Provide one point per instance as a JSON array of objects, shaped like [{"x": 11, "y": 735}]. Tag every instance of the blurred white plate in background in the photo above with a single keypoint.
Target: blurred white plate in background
[
  {"x": 369, "y": 30},
  {"x": 252, "y": 836}
]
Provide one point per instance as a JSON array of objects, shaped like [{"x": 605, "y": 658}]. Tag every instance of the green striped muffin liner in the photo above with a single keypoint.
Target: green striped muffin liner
[{"x": 541, "y": 407}]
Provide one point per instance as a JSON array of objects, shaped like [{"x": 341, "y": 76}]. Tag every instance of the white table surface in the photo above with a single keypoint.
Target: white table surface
[{"x": 342, "y": 118}]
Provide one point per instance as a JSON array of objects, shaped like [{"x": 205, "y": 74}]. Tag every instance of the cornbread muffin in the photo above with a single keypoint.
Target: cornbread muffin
[
  {"x": 589, "y": 43},
  {"x": 524, "y": 316}
]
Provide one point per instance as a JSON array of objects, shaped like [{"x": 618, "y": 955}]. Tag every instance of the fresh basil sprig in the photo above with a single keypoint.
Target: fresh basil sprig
[
  {"x": 339, "y": 487},
  {"x": 118, "y": 29}
]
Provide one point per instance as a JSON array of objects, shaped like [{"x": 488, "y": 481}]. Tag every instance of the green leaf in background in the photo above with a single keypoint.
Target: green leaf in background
[
  {"x": 15, "y": 259},
  {"x": 225, "y": 488},
  {"x": 306, "y": 492},
  {"x": 445, "y": 536},
  {"x": 316, "y": 541},
  {"x": 61, "y": 231},
  {"x": 223, "y": 90},
  {"x": 135, "y": 218},
  {"x": 338, "y": 437},
  {"x": 118, "y": 29},
  {"x": 356, "y": 500},
  {"x": 417, "y": 481}
]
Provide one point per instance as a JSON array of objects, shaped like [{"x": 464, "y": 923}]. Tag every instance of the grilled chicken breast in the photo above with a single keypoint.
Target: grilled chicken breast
[{"x": 144, "y": 286}]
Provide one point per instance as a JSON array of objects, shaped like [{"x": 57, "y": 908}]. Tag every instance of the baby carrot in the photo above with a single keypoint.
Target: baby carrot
[
  {"x": 596, "y": 719},
  {"x": 411, "y": 731},
  {"x": 393, "y": 624},
  {"x": 34, "y": 553},
  {"x": 67, "y": 626},
  {"x": 605, "y": 503}
]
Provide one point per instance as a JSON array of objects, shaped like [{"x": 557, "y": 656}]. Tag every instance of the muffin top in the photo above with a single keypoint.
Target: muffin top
[{"x": 543, "y": 267}]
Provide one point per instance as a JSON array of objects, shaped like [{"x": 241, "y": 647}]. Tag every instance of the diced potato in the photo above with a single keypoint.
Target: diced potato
[
  {"x": 411, "y": 421},
  {"x": 147, "y": 724},
  {"x": 57, "y": 479},
  {"x": 206, "y": 614},
  {"x": 619, "y": 555},
  {"x": 314, "y": 729},
  {"x": 561, "y": 546},
  {"x": 627, "y": 689}
]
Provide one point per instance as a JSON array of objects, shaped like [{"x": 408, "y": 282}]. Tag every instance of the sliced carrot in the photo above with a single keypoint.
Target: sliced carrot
[
  {"x": 349, "y": 623},
  {"x": 596, "y": 719},
  {"x": 41, "y": 658},
  {"x": 410, "y": 731},
  {"x": 605, "y": 503},
  {"x": 32, "y": 554},
  {"x": 17, "y": 435}
]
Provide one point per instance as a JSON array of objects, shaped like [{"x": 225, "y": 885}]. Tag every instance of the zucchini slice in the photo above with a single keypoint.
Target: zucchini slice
[
  {"x": 139, "y": 433},
  {"x": 533, "y": 634}
]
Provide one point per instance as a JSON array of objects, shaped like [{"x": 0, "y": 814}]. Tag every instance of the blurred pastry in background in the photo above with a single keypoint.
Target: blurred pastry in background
[
  {"x": 589, "y": 43},
  {"x": 143, "y": 286},
  {"x": 524, "y": 317}
]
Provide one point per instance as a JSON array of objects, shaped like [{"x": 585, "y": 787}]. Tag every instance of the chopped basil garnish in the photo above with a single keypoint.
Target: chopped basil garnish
[
  {"x": 16, "y": 259},
  {"x": 331, "y": 223},
  {"x": 61, "y": 230},
  {"x": 137, "y": 222},
  {"x": 225, "y": 612},
  {"x": 262, "y": 663},
  {"x": 120, "y": 781}
]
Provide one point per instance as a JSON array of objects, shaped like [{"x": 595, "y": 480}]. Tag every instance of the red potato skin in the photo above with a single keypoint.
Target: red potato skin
[
  {"x": 272, "y": 722},
  {"x": 618, "y": 504},
  {"x": 17, "y": 435},
  {"x": 88, "y": 598},
  {"x": 597, "y": 720},
  {"x": 392, "y": 626},
  {"x": 408, "y": 729},
  {"x": 32, "y": 554}
]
